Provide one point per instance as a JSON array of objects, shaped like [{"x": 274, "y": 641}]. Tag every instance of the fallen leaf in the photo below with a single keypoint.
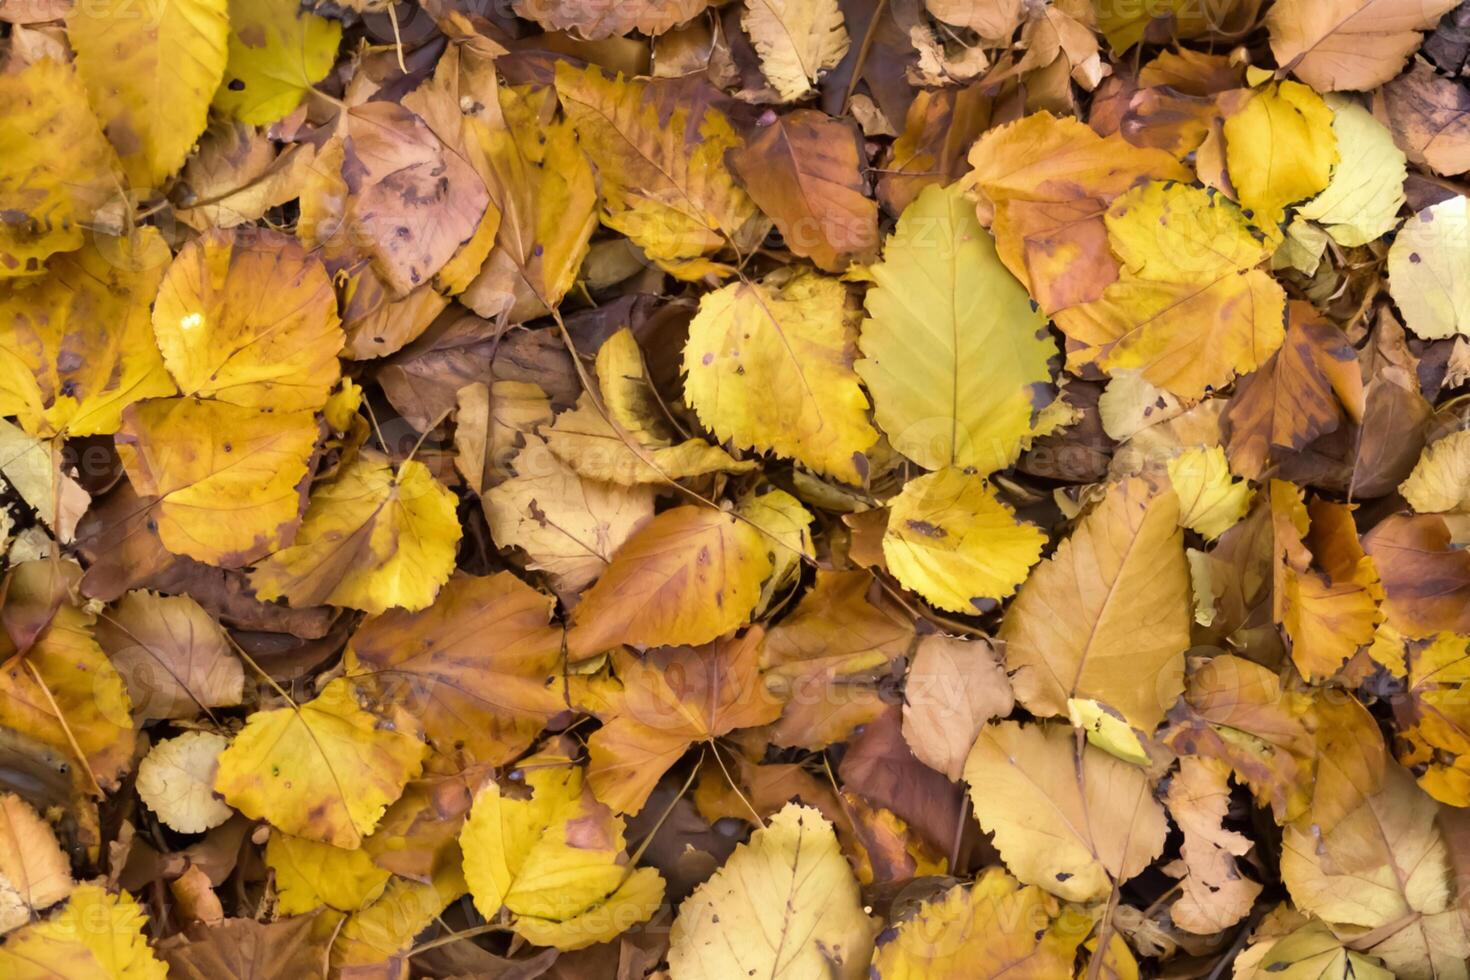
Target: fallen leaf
[
  {"x": 1421, "y": 261},
  {"x": 1349, "y": 44},
  {"x": 1210, "y": 500},
  {"x": 954, "y": 688},
  {"x": 1214, "y": 895},
  {"x": 796, "y": 41},
  {"x": 309, "y": 874},
  {"x": 1440, "y": 482},
  {"x": 1361, "y": 202},
  {"x": 176, "y": 780},
  {"x": 96, "y": 934},
  {"x": 595, "y": 21},
  {"x": 173, "y": 656},
  {"x": 1285, "y": 121},
  {"x": 277, "y": 53},
  {"x": 34, "y": 873}
]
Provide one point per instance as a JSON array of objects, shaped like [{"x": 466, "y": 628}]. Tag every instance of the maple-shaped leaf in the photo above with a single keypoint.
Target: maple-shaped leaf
[
  {"x": 827, "y": 658},
  {"x": 995, "y": 927},
  {"x": 1045, "y": 184},
  {"x": 1326, "y": 589},
  {"x": 150, "y": 78},
  {"x": 277, "y": 52},
  {"x": 597, "y": 21},
  {"x": 668, "y": 700},
  {"x": 1423, "y": 265},
  {"x": 249, "y": 317},
  {"x": 176, "y": 780},
  {"x": 34, "y": 873},
  {"x": 57, "y": 171},
  {"x": 662, "y": 163},
  {"x": 310, "y": 874},
  {"x": 375, "y": 537},
  {"x": 76, "y": 345},
  {"x": 1190, "y": 308},
  {"x": 554, "y": 860},
  {"x": 472, "y": 668},
  {"x": 804, "y": 170},
  {"x": 1074, "y": 823},
  {"x": 324, "y": 770},
  {"x": 770, "y": 368},
  {"x": 797, "y": 40},
  {"x": 228, "y": 479},
  {"x": 686, "y": 577},
  {"x": 957, "y": 544},
  {"x": 784, "y": 905},
  {"x": 1309, "y": 388},
  {"x": 1349, "y": 45},
  {"x": 174, "y": 657},
  {"x": 97, "y": 934},
  {"x": 1106, "y": 617},
  {"x": 1280, "y": 149},
  {"x": 955, "y": 353},
  {"x": 1214, "y": 893},
  {"x": 56, "y": 684}
]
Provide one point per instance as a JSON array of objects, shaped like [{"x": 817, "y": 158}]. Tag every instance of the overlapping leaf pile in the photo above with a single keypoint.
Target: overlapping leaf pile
[{"x": 812, "y": 489}]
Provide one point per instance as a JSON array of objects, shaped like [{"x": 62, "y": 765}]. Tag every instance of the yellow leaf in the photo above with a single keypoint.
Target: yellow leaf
[
  {"x": 1337, "y": 45},
  {"x": 97, "y": 935},
  {"x": 1072, "y": 823},
  {"x": 1108, "y": 730},
  {"x": 686, "y": 577},
  {"x": 1435, "y": 737},
  {"x": 372, "y": 538},
  {"x": 34, "y": 873},
  {"x": 784, "y": 906},
  {"x": 325, "y": 770},
  {"x": 490, "y": 422},
  {"x": 385, "y": 929},
  {"x": 953, "y": 541},
  {"x": 553, "y": 858},
  {"x": 227, "y": 478},
  {"x": 176, "y": 780},
  {"x": 1280, "y": 149},
  {"x": 797, "y": 40},
  {"x": 1107, "y": 616},
  {"x": 1424, "y": 264},
  {"x": 569, "y": 526},
  {"x": 1124, "y": 24},
  {"x": 786, "y": 526},
  {"x": 1190, "y": 308},
  {"x": 57, "y": 171},
  {"x": 309, "y": 874},
  {"x": 150, "y": 73},
  {"x": 1210, "y": 500},
  {"x": 472, "y": 668},
  {"x": 996, "y": 927},
  {"x": 35, "y": 470},
  {"x": 770, "y": 368},
  {"x": 76, "y": 346},
  {"x": 249, "y": 317},
  {"x": 1361, "y": 202},
  {"x": 276, "y": 53},
  {"x": 1440, "y": 482},
  {"x": 1310, "y": 952},
  {"x": 955, "y": 351},
  {"x": 664, "y": 180},
  {"x": 173, "y": 656}
]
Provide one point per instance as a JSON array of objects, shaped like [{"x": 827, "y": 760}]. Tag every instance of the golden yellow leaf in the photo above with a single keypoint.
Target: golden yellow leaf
[
  {"x": 472, "y": 668},
  {"x": 176, "y": 780},
  {"x": 786, "y": 526},
  {"x": 97, "y": 935},
  {"x": 324, "y": 770},
  {"x": 1211, "y": 501},
  {"x": 34, "y": 873},
  {"x": 953, "y": 541},
  {"x": 1190, "y": 308},
  {"x": 955, "y": 353},
  {"x": 1435, "y": 720},
  {"x": 76, "y": 346},
  {"x": 664, "y": 180},
  {"x": 375, "y": 936},
  {"x": 1124, "y": 24},
  {"x": 784, "y": 906},
  {"x": 249, "y": 317},
  {"x": 35, "y": 469},
  {"x": 1072, "y": 823},
  {"x": 276, "y": 53},
  {"x": 150, "y": 74},
  {"x": 372, "y": 538},
  {"x": 1424, "y": 264},
  {"x": 228, "y": 479},
  {"x": 770, "y": 368},
  {"x": 996, "y": 927},
  {"x": 57, "y": 171},
  {"x": 568, "y": 526},
  {"x": 1440, "y": 482},
  {"x": 1310, "y": 952},
  {"x": 796, "y": 40},
  {"x": 1361, "y": 202},
  {"x": 1280, "y": 149},
  {"x": 1337, "y": 45},
  {"x": 686, "y": 577},
  {"x": 310, "y": 874},
  {"x": 553, "y": 859},
  {"x": 173, "y": 656}
]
